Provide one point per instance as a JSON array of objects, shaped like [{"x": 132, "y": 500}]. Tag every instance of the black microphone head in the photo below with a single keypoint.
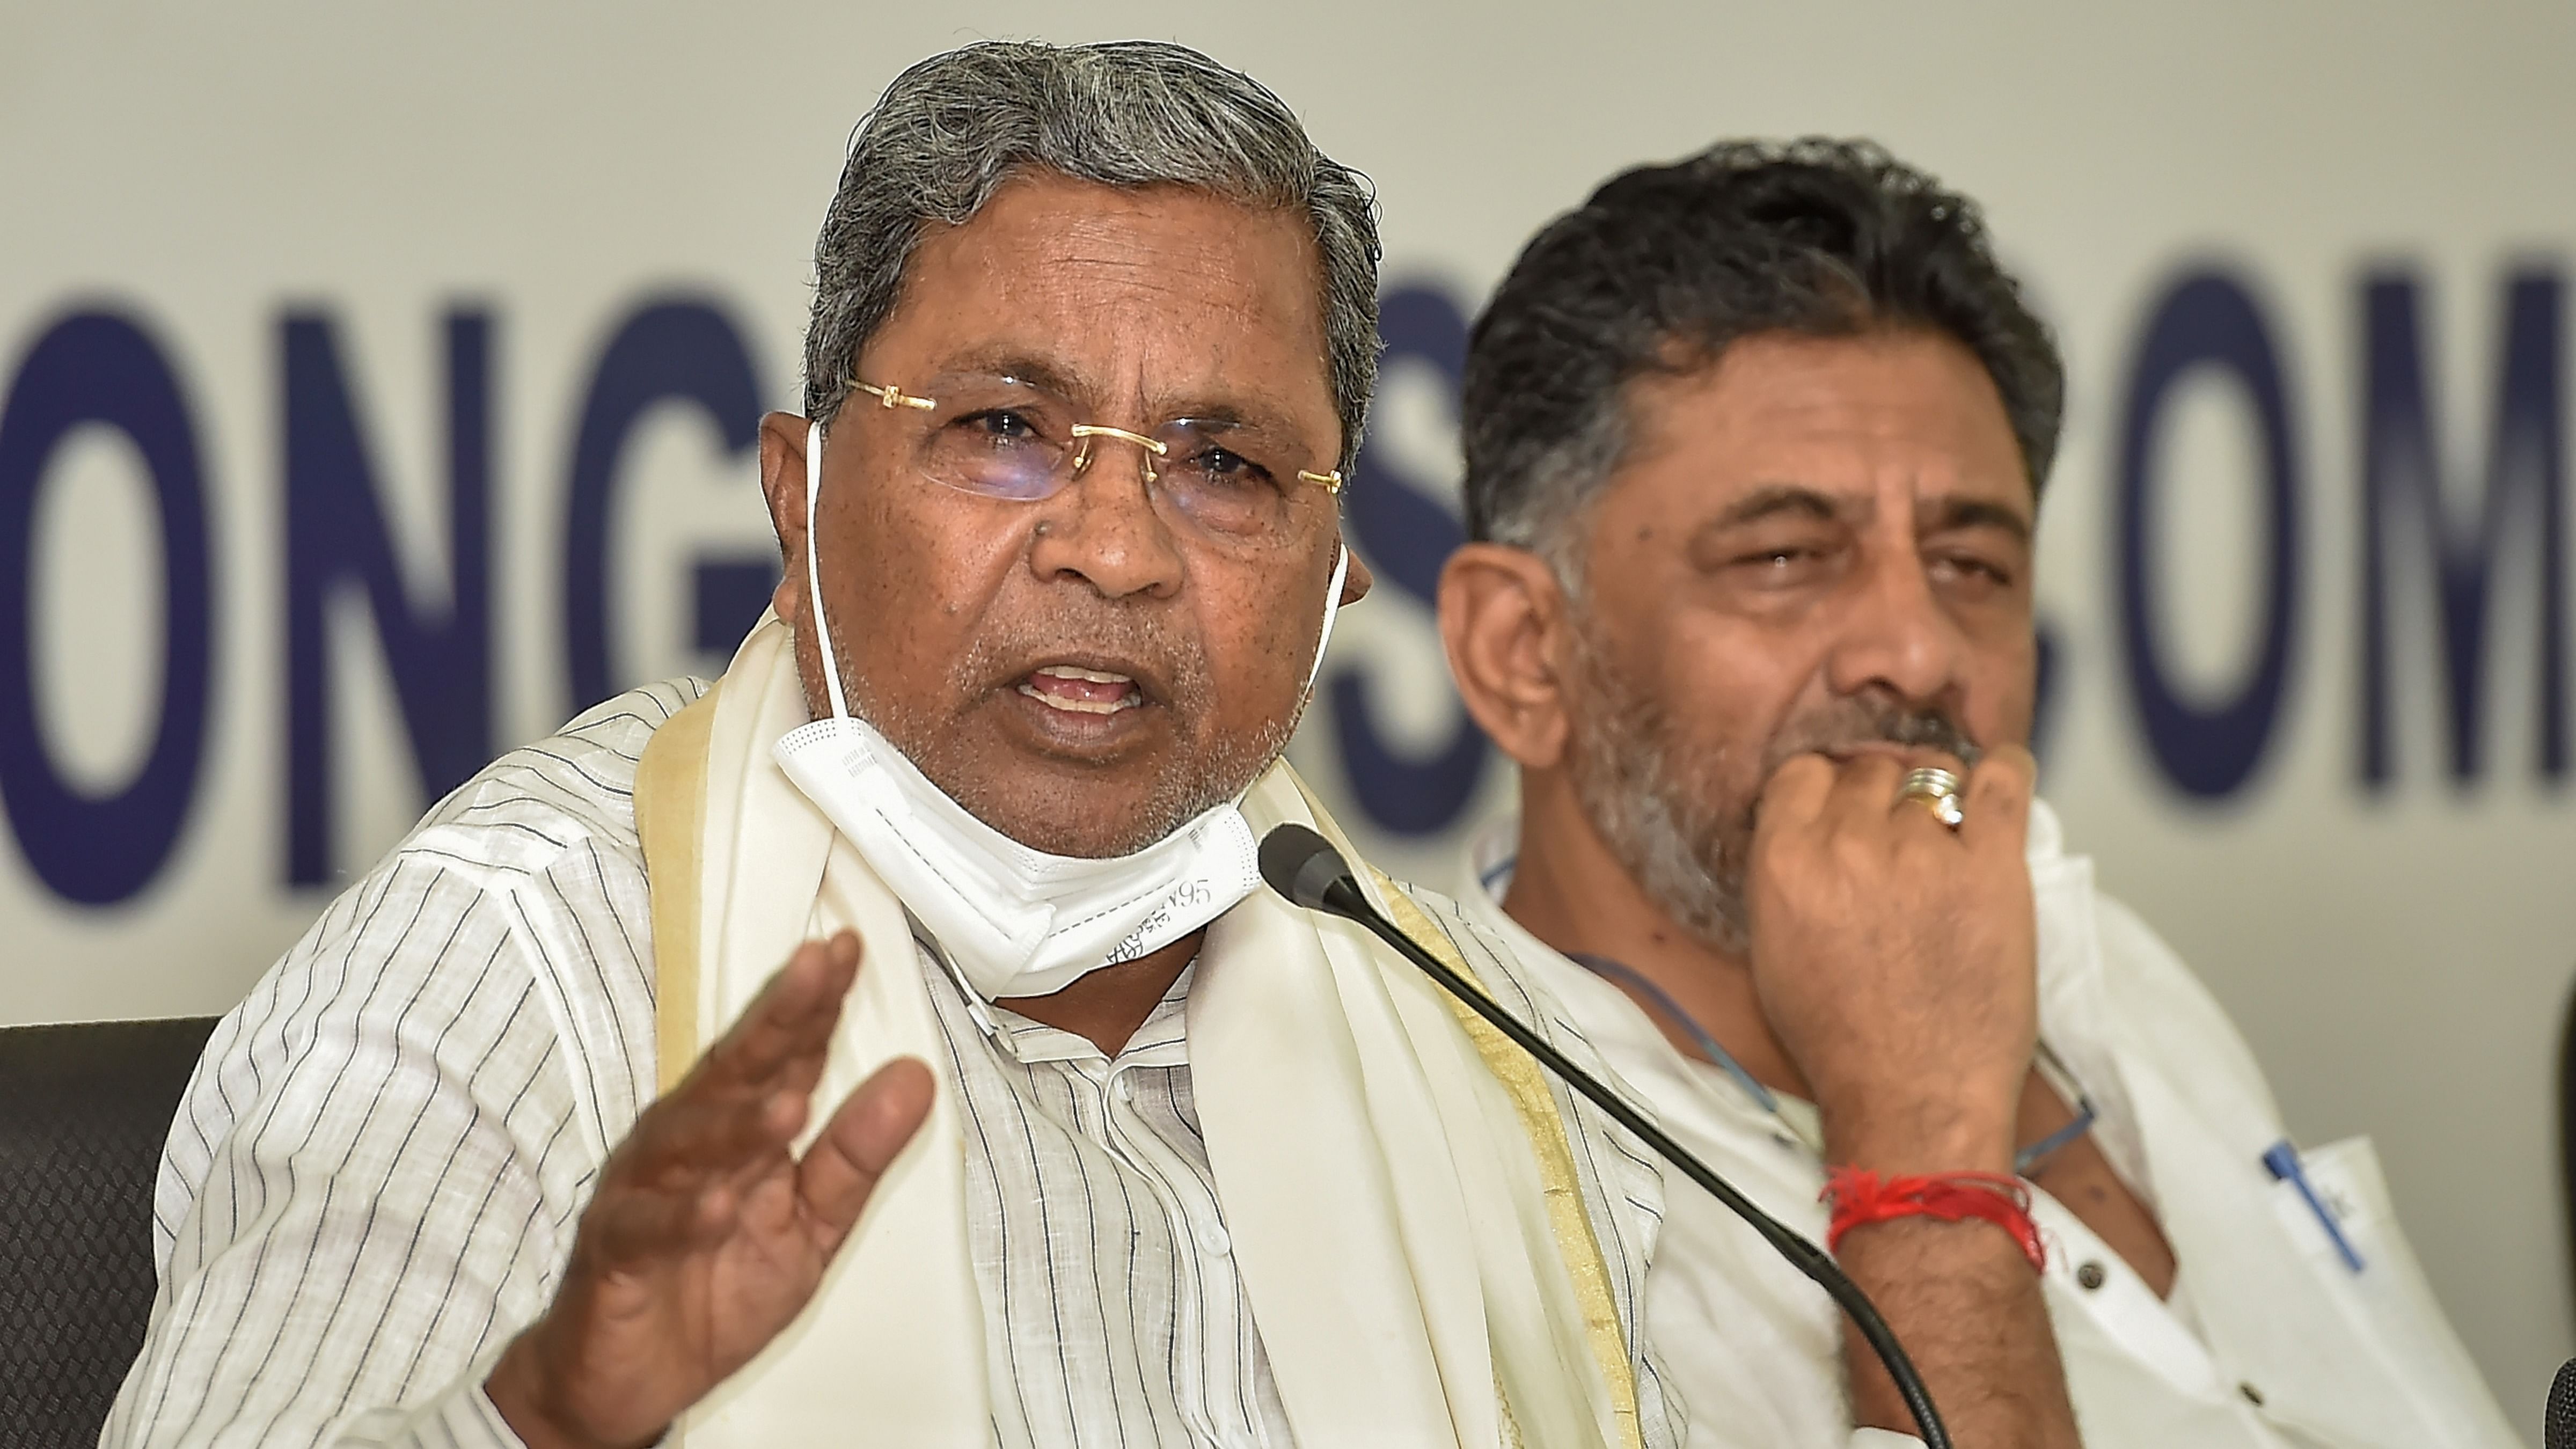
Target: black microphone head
[
  {"x": 2558, "y": 1429},
  {"x": 1304, "y": 867}
]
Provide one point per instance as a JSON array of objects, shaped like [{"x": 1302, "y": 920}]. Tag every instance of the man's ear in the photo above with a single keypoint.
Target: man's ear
[
  {"x": 782, "y": 484},
  {"x": 1503, "y": 622}
]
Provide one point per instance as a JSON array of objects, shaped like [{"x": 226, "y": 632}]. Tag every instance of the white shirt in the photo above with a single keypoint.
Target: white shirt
[
  {"x": 2269, "y": 1342},
  {"x": 1099, "y": 1244},
  {"x": 374, "y": 1178}
]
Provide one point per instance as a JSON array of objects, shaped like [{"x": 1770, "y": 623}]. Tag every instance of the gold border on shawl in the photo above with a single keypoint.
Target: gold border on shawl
[
  {"x": 670, "y": 804},
  {"x": 1532, "y": 1098}
]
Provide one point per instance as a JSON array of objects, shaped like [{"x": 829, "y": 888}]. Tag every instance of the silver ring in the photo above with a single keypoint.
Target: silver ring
[{"x": 1938, "y": 790}]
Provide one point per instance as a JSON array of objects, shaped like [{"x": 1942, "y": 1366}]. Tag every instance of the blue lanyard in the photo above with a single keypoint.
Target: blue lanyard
[
  {"x": 1627, "y": 975},
  {"x": 2024, "y": 1160}
]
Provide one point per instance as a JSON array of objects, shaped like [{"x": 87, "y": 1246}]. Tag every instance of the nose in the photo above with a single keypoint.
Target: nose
[
  {"x": 1895, "y": 634},
  {"x": 1104, "y": 530}
]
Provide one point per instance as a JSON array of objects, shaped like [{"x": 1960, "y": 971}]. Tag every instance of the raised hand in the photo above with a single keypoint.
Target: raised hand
[
  {"x": 707, "y": 1234},
  {"x": 1898, "y": 964},
  {"x": 1896, "y": 959}
]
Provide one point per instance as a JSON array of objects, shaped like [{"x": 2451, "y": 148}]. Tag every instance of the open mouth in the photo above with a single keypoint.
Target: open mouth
[{"x": 1076, "y": 690}]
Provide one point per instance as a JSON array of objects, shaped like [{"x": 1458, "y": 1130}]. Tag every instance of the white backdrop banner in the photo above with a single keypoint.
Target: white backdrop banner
[{"x": 380, "y": 384}]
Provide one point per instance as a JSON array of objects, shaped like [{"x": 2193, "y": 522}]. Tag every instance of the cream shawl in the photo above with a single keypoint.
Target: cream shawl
[{"x": 1394, "y": 1175}]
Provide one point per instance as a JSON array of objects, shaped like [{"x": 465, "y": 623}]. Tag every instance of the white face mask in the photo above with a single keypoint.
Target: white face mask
[{"x": 1014, "y": 921}]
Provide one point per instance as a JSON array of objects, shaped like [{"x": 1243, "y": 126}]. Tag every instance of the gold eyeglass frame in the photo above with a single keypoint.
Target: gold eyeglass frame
[{"x": 893, "y": 396}]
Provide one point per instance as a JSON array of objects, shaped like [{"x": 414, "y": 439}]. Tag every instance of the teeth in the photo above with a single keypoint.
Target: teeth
[
  {"x": 1087, "y": 676},
  {"x": 1084, "y": 706}
]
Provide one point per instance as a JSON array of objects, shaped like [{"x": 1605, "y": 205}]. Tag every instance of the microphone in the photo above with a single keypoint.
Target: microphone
[
  {"x": 2558, "y": 1428},
  {"x": 1305, "y": 868}
]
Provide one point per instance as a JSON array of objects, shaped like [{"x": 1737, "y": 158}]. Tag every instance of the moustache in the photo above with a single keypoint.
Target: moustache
[
  {"x": 1861, "y": 721},
  {"x": 1168, "y": 666}
]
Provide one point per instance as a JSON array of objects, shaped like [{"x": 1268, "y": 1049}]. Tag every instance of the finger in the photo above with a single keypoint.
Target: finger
[
  {"x": 684, "y": 1140},
  {"x": 682, "y": 1172},
  {"x": 1864, "y": 787},
  {"x": 854, "y": 1148},
  {"x": 1794, "y": 795},
  {"x": 629, "y": 1224},
  {"x": 749, "y": 1097},
  {"x": 1906, "y": 808},
  {"x": 1998, "y": 798},
  {"x": 790, "y": 1022}
]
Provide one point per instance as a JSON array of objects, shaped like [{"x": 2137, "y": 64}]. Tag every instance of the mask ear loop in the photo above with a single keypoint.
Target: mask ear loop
[
  {"x": 1332, "y": 611},
  {"x": 814, "y": 572}
]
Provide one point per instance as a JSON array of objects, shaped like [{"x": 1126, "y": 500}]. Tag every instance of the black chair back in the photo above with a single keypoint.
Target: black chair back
[{"x": 84, "y": 1110}]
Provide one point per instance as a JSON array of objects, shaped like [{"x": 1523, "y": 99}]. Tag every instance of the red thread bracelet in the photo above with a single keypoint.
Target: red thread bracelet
[{"x": 1860, "y": 1197}]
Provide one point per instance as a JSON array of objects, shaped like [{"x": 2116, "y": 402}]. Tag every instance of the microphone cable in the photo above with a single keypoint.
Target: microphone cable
[{"x": 1303, "y": 867}]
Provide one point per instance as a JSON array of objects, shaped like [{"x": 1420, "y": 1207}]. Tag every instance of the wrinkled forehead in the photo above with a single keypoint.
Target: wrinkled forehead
[
  {"x": 1846, "y": 418},
  {"x": 1051, "y": 382},
  {"x": 1155, "y": 298}
]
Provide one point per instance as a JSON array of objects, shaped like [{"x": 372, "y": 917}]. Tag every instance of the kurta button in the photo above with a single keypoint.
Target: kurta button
[
  {"x": 2089, "y": 1276},
  {"x": 2252, "y": 1394},
  {"x": 1212, "y": 1237}
]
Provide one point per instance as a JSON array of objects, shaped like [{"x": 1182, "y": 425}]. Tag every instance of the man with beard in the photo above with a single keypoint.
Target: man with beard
[
  {"x": 1755, "y": 444},
  {"x": 1054, "y": 1129}
]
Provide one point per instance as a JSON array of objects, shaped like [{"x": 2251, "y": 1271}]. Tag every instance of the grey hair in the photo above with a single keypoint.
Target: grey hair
[{"x": 951, "y": 130}]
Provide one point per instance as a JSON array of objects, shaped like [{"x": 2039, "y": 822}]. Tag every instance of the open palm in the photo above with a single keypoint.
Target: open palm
[{"x": 708, "y": 1234}]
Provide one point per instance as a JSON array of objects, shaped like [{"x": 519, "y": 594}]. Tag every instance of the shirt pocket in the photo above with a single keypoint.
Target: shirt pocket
[
  {"x": 2389, "y": 1298},
  {"x": 2348, "y": 1187}
]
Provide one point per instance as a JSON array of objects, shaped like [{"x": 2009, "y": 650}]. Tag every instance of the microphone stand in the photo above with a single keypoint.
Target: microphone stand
[{"x": 1305, "y": 868}]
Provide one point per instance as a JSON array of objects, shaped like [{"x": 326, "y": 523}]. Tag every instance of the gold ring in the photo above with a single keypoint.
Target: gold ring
[{"x": 1938, "y": 790}]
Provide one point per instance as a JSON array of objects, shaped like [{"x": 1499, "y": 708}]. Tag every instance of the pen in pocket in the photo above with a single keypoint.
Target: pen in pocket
[{"x": 2283, "y": 1161}]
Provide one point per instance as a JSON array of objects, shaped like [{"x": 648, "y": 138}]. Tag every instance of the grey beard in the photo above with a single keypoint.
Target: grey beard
[
  {"x": 1182, "y": 795},
  {"x": 1664, "y": 808},
  {"x": 1669, "y": 831}
]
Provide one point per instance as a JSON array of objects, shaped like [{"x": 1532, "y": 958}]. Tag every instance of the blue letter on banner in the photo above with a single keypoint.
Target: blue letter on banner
[
  {"x": 337, "y": 541},
  {"x": 1407, "y": 537},
  {"x": 99, "y": 367},
  {"x": 668, "y": 351},
  {"x": 2207, "y": 319},
  {"x": 2401, "y": 470}
]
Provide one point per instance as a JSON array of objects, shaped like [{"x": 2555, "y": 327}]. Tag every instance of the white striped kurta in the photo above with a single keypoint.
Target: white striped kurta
[
  {"x": 374, "y": 1179},
  {"x": 1098, "y": 1241}
]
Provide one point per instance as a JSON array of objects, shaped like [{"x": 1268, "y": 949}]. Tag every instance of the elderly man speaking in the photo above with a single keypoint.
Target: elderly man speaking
[
  {"x": 1755, "y": 443},
  {"x": 1054, "y": 1129}
]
